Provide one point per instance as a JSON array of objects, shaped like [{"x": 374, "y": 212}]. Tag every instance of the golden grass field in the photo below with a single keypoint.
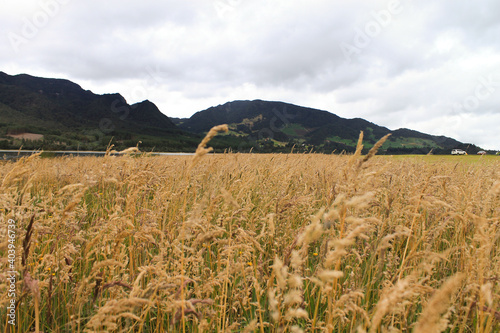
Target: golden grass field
[{"x": 252, "y": 243}]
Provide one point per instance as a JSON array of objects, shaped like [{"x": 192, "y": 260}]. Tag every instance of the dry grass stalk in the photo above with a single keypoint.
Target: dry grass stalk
[
  {"x": 390, "y": 299},
  {"x": 375, "y": 148},
  {"x": 27, "y": 243},
  {"x": 33, "y": 286},
  {"x": 131, "y": 150},
  {"x": 190, "y": 309},
  {"x": 202, "y": 150},
  {"x": 430, "y": 320}
]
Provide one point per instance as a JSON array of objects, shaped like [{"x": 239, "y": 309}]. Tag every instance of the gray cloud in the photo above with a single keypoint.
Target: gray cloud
[{"x": 420, "y": 65}]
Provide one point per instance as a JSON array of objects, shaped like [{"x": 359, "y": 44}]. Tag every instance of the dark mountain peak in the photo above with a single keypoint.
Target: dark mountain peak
[
  {"x": 439, "y": 139},
  {"x": 147, "y": 113},
  {"x": 42, "y": 85},
  {"x": 146, "y": 102},
  {"x": 67, "y": 104},
  {"x": 406, "y": 132},
  {"x": 145, "y": 106},
  {"x": 271, "y": 113},
  {"x": 285, "y": 122}
]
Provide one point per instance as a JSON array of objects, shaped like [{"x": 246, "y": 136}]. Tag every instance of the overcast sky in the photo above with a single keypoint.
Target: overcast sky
[{"x": 432, "y": 66}]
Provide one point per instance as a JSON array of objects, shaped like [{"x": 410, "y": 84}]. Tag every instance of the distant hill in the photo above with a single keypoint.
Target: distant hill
[
  {"x": 70, "y": 117},
  {"x": 279, "y": 124},
  {"x": 66, "y": 104},
  {"x": 45, "y": 113}
]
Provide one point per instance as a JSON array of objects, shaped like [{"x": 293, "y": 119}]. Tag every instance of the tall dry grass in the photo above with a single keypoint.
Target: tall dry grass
[{"x": 254, "y": 243}]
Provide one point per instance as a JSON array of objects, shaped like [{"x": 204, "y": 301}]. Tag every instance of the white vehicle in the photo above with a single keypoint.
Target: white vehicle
[
  {"x": 481, "y": 152},
  {"x": 458, "y": 152}
]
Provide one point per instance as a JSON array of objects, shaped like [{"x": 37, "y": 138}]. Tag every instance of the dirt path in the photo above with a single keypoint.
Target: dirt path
[{"x": 27, "y": 136}]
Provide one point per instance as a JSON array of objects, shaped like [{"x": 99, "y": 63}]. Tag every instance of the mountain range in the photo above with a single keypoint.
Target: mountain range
[{"x": 59, "y": 114}]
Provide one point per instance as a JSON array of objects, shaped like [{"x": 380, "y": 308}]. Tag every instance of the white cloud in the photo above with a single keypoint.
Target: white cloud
[{"x": 415, "y": 65}]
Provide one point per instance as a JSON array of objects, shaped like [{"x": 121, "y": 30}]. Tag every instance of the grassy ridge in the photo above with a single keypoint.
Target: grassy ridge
[{"x": 264, "y": 243}]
